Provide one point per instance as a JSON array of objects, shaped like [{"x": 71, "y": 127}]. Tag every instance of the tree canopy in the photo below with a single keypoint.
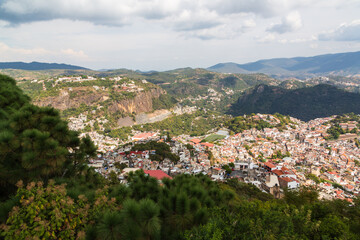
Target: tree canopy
[{"x": 35, "y": 143}]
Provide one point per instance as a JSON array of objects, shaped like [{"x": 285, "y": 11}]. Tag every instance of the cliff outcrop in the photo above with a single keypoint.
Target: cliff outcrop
[
  {"x": 142, "y": 102},
  {"x": 72, "y": 99}
]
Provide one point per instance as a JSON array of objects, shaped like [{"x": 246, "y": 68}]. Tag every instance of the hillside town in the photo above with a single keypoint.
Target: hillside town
[{"x": 271, "y": 159}]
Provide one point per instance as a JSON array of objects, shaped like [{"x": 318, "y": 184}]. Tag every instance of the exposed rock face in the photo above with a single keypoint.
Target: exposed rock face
[
  {"x": 64, "y": 101},
  {"x": 156, "y": 116},
  {"x": 143, "y": 118},
  {"x": 141, "y": 103},
  {"x": 125, "y": 122}
]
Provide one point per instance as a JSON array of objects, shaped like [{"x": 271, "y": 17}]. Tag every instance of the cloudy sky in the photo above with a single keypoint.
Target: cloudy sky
[{"x": 168, "y": 34}]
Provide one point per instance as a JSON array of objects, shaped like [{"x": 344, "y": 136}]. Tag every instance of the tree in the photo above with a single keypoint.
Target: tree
[
  {"x": 109, "y": 227},
  {"x": 46, "y": 213},
  {"x": 35, "y": 144},
  {"x": 141, "y": 219}
]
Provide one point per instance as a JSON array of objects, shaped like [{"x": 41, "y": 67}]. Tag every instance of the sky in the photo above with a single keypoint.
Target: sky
[{"x": 168, "y": 34}]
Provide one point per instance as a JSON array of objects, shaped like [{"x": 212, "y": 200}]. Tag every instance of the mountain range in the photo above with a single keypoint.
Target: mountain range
[
  {"x": 38, "y": 66},
  {"x": 342, "y": 64}
]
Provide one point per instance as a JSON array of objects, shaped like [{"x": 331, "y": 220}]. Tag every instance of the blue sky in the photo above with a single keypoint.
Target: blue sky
[{"x": 168, "y": 34}]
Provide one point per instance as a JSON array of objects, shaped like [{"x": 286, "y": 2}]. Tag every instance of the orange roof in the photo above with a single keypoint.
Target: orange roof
[
  {"x": 195, "y": 140},
  {"x": 278, "y": 172},
  {"x": 143, "y": 135},
  {"x": 207, "y": 144},
  {"x": 158, "y": 174},
  {"x": 269, "y": 164},
  {"x": 287, "y": 179}
]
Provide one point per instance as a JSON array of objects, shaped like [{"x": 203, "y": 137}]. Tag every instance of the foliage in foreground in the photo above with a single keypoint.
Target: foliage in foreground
[
  {"x": 35, "y": 144},
  {"x": 145, "y": 209},
  {"x": 186, "y": 207}
]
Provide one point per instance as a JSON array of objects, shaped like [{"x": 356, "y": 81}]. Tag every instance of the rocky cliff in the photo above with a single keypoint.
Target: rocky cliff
[
  {"x": 73, "y": 98},
  {"x": 142, "y": 102}
]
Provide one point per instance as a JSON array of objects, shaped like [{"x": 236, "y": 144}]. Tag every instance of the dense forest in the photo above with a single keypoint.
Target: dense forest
[
  {"x": 48, "y": 192},
  {"x": 303, "y": 103}
]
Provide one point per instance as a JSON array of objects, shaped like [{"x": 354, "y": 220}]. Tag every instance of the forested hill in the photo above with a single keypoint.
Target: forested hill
[
  {"x": 37, "y": 66},
  {"x": 303, "y": 103},
  {"x": 328, "y": 64}
]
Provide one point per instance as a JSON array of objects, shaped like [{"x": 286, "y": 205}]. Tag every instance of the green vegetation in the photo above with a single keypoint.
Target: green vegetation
[
  {"x": 335, "y": 131},
  {"x": 121, "y": 133},
  {"x": 142, "y": 210},
  {"x": 299, "y": 216},
  {"x": 35, "y": 144},
  {"x": 165, "y": 101},
  {"x": 162, "y": 151},
  {"x": 303, "y": 103},
  {"x": 36, "y": 147},
  {"x": 313, "y": 177},
  {"x": 213, "y": 138},
  {"x": 31, "y": 89},
  {"x": 118, "y": 96},
  {"x": 241, "y": 123},
  {"x": 70, "y": 112}
]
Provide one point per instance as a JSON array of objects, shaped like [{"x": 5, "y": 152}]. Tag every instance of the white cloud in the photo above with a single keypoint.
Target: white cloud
[
  {"x": 290, "y": 23},
  {"x": 15, "y": 53},
  {"x": 345, "y": 32},
  {"x": 124, "y": 12},
  {"x": 73, "y": 53},
  {"x": 5, "y": 49},
  {"x": 266, "y": 39},
  {"x": 190, "y": 20},
  {"x": 149, "y": 34}
]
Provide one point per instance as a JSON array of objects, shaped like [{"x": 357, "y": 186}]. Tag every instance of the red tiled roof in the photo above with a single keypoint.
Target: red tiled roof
[
  {"x": 287, "y": 179},
  {"x": 269, "y": 164},
  {"x": 195, "y": 140},
  {"x": 277, "y": 172},
  {"x": 136, "y": 152},
  {"x": 143, "y": 135},
  {"x": 207, "y": 144},
  {"x": 158, "y": 174}
]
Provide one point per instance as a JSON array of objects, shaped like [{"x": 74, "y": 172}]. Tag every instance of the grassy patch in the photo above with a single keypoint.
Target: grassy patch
[{"x": 213, "y": 138}]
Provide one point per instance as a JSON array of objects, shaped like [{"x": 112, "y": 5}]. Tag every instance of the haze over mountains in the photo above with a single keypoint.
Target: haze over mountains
[
  {"x": 38, "y": 66},
  {"x": 329, "y": 64},
  {"x": 341, "y": 64}
]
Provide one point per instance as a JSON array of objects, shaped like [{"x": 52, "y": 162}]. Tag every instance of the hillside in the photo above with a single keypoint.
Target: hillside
[
  {"x": 105, "y": 103},
  {"x": 329, "y": 64},
  {"x": 303, "y": 103},
  {"x": 37, "y": 66}
]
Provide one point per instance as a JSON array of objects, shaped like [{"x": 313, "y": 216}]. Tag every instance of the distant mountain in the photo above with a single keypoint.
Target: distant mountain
[
  {"x": 303, "y": 103},
  {"x": 38, "y": 66},
  {"x": 329, "y": 64}
]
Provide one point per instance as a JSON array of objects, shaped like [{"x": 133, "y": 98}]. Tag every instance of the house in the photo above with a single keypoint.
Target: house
[
  {"x": 158, "y": 174},
  {"x": 272, "y": 185},
  {"x": 269, "y": 166},
  {"x": 284, "y": 172},
  {"x": 289, "y": 183},
  {"x": 143, "y": 136},
  {"x": 205, "y": 144},
  {"x": 195, "y": 140}
]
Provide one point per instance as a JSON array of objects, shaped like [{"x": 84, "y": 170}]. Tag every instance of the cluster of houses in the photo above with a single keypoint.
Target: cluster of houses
[{"x": 270, "y": 159}]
